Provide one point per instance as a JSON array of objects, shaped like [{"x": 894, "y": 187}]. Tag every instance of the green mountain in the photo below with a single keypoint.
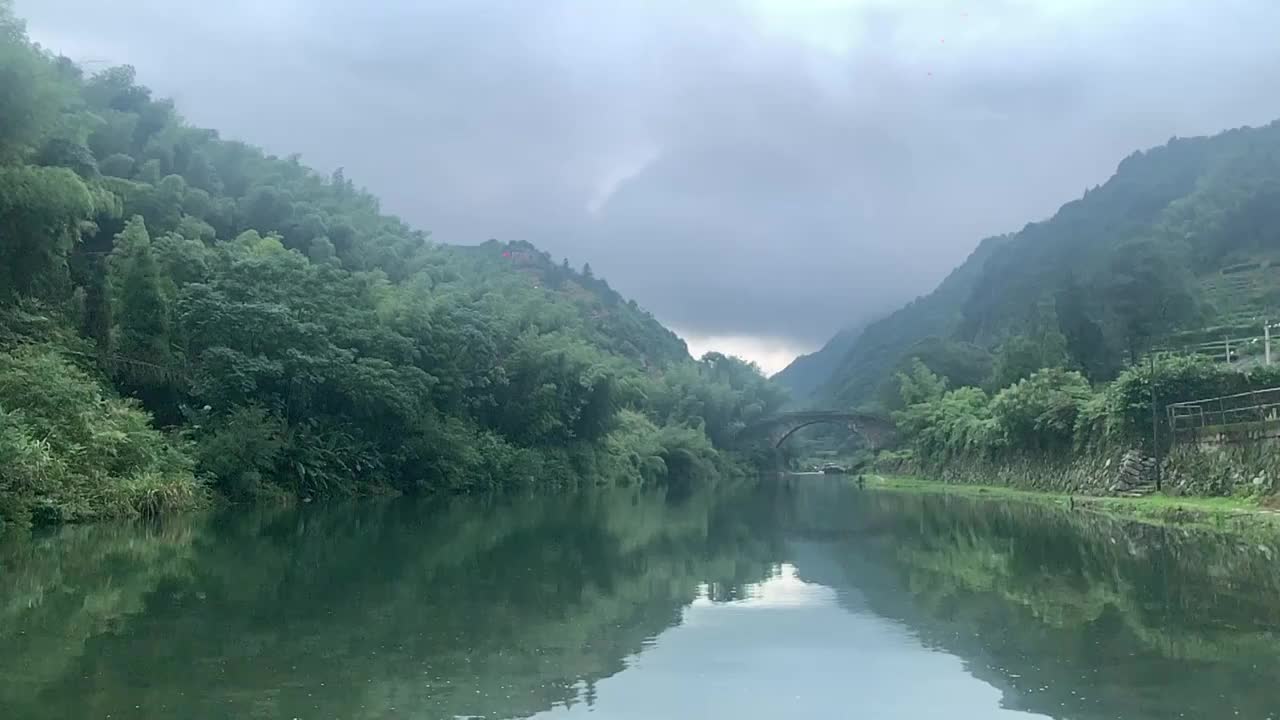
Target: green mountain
[
  {"x": 183, "y": 315},
  {"x": 1182, "y": 242},
  {"x": 807, "y": 373}
]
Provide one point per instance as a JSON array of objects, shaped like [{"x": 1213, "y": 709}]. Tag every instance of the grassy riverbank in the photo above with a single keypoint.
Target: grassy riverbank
[{"x": 1217, "y": 513}]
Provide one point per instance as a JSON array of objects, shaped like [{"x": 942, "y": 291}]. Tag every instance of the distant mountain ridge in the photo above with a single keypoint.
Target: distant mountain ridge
[
  {"x": 806, "y": 373},
  {"x": 1182, "y": 236}
]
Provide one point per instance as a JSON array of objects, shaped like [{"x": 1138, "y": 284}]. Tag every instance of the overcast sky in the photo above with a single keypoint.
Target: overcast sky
[{"x": 758, "y": 173}]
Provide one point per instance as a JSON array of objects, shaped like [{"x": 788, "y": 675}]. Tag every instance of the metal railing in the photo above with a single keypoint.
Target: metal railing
[
  {"x": 1256, "y": 406},
  {"x": 1254, "y": 349}
]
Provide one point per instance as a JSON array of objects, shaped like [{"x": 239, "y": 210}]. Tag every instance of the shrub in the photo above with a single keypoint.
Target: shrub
[
  {"x": 1176, "y": 379},
  {"x": 1040, "y": 412},
  {"x": 239, "y": 449},
  {"x": 70, "y": 451},
  {"x": 957, "y": 423}
]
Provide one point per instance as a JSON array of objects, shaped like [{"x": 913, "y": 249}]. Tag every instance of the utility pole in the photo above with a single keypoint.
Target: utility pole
[
  {"x": 1266, "y": 340},
  {"x": 1155, "y": 425}
]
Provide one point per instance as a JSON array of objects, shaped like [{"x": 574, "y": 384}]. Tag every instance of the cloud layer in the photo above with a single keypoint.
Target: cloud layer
[{"x": 768, "y": 170}]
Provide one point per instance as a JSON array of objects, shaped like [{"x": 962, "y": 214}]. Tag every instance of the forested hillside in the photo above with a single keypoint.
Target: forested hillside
[
  {"x": 806, "y": 373},
  {"x": 181, "y": 314},
  {"x": 1183, "y": 237}
]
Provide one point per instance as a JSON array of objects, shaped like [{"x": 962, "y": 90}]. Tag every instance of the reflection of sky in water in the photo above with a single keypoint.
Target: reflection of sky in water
[
  {"x": 784, "y": 589},
  {"x": 789, "y": 650}
]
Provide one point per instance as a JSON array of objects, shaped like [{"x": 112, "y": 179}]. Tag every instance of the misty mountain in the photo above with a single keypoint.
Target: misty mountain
[
  {"x": 883, "y": 344},
  {"x": 806, "y": 373},
  {"x": 1182, "y": 241}
]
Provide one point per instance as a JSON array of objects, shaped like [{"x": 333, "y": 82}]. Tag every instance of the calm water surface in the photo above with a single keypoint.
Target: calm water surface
[{"x": 763, "y": 601}]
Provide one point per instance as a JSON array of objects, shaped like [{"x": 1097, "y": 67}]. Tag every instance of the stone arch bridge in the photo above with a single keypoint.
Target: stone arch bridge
[{"x": 877, "y": 430}]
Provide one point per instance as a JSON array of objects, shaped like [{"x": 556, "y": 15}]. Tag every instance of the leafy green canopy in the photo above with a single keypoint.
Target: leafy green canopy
[
  {"x": 70, "y": 451},
  {"x": 293, "y": 339},
  {"x": 1056, "y": 411}
]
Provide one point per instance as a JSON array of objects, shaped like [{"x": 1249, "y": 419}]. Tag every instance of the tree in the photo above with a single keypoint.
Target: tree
[
  {"x": 918, "y": 384},
  {"x": 1078, "y": 321},
  {"x": 1149, "y": 291},
  {"x": 321, "y": 250},
  {"x": 30, "y": 93},
  {"x": 115, "y": 89},
  {"x": 265, "y": 209},
  {"x": 41, "y": 214},
  {"x": 1018, "y": 357},
  {"x": 1021, "y": 355},
  {"x": 960, "y": 364},
  {"x": 1040, "y": 411},
  {"x": 97, "y": 307},
  {"x": 117, "y": 165},
  {"x": 951, "y": 425},
  {"x": 60, "y": 152},
  {"x": 200, "y": 172},
  {"x": 140, "y": 308}
]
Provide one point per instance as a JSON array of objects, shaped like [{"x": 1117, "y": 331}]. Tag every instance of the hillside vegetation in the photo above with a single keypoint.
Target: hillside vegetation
[
  {"x": 181, "y": 314},
  {"x": 1183, "y": 237},
  {"x": 1020, "y": 367}
]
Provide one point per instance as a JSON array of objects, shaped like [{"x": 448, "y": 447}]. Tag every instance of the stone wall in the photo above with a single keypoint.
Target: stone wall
[
  {"x": 1230, "y": 469},
  {"x": 1087, "y": 474},
  {"x": 1186, "y": 470},
  {"x": 1256, "y": 433}
]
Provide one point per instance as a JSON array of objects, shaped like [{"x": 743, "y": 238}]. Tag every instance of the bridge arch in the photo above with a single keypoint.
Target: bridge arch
[
  {"x": 787, "y": 434},
  {"x": 777, "y": 429}
]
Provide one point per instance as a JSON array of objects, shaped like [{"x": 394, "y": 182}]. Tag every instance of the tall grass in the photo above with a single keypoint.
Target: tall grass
[{"x": 70, "y": 451}]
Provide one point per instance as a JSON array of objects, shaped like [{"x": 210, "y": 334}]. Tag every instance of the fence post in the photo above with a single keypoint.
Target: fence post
[
  {"x": 1266, "y": 339},
  {"x": 1226, "y": 343}
]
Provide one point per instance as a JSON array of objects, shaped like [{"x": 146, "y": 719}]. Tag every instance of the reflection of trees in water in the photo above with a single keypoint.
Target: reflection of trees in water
[
  {"x": 504, "y": 607},
  {"x": 1067, "y": 613},
  {"x": 495, "y": 608},
  {"x": 58, "y": 591}
]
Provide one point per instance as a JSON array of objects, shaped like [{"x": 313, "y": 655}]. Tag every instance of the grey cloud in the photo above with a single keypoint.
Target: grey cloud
[{"x": 736, "y": 167}]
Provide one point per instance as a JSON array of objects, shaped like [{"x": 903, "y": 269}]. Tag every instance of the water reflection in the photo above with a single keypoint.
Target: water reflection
[
  {"x": 495, "y": 609},
  {"x": 745, "y": 602},
  {"x": 1071, "y": 615},
  {"x": 789, "y": 650}
]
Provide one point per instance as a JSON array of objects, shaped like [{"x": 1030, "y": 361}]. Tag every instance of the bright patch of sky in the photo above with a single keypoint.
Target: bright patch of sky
[
  {"x": 784, "y": 590},
  {"x": 770, "y": 354}
]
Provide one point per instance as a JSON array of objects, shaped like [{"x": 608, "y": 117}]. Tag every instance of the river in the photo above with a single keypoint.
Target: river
[{"x": 811, "y": 599}]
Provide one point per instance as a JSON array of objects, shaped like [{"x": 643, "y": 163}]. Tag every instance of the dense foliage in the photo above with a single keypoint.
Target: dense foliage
[
  {"x": 1056, "y": 411},
  {"x": 289, "y": 337},
  {"x": 68, "y": 449},
  {"x": 1182, "y": 237}
]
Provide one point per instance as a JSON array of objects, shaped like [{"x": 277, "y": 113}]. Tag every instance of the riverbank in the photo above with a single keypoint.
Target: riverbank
[{"x": 1215, "y": 513}]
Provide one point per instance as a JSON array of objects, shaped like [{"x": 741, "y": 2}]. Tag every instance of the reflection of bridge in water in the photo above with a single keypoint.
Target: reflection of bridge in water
[{"x": 877, "y": 430}]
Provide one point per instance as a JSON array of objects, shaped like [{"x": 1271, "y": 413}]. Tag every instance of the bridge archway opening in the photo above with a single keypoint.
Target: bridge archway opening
[
  {"x": 853, "y": 430},
  {"x": 777, "y": 429}
]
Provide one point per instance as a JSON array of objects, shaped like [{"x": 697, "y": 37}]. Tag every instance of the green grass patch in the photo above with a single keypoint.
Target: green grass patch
[{"x": 1214, "y": 513}]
